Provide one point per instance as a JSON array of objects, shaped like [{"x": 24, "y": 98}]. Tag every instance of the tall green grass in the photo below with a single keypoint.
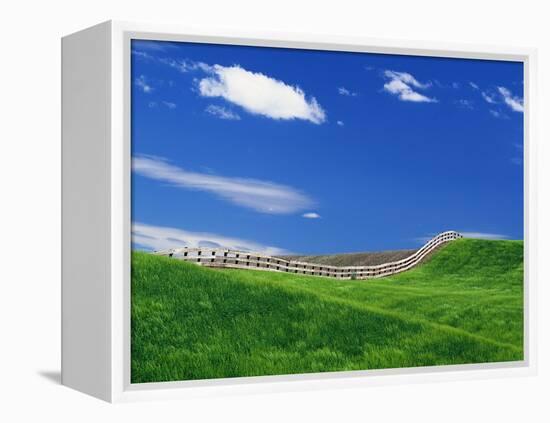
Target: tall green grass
[{"x": 463, "y": 306}]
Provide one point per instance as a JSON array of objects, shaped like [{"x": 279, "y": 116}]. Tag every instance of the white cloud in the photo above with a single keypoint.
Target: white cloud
[
  {"x": 161, "y": 238},
  {"x": 169, "y": 104},
  {"x": 483, "y": 235},
  {"x": 401, "y": 83},
  {"x": 255, "y": 92},
  {"x": 260, "y": 94},
  {"x": 141, "y": 82},
  {"x": 182, "y": 65},
  {"x": 474, "y": 85},
  {"x": 489, "y": 98},
  {"x": 142, "y": 55},
  {"x": 339, "y": 123},
  {"x": 222, "y": 112},
  {"x": 311, "y": 215},
  {"x": 185, "y": 65},
  {"x": 261, "y": 196},
  {"x": 346, "y": 92},
  {"x": 514, "y": 103},
  {"x": 406, "y": 78}
]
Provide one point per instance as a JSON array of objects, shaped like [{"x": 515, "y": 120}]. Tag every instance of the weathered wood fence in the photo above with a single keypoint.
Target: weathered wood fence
[{"x": 219, "y": 257}]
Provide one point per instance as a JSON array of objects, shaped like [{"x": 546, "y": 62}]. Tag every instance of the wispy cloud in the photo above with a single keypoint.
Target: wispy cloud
[
  {"x": 161, "y": 237},
  {"x": 339, "y": 123},
  {"x": 181, "y": 65},
  {"x": 169, "y": 105},
  {"x": 142, "y": 55},
  {"x": 262, "y": 196},
  {"x": 185, "y": 66},
  {"x": 311, "y": 215},
  {"x": 497, "y": 114},
  {"x": 346, "y": 92},
  {"x": 483, "y": 235},
  {"x": 474, "y": 85},
  {"x": 260, "y": 94},
  {"x": 151, "y": 45},
  {"x": 401, "y": 84},
  {"x": 502, "y": 95},
  {"x": 141, "y": 82},
  {"x": 513, "y": 102},
  {"x": 222, "y": 112},
  {"x": 488, "y": 97},
  {"x": 465, "y": 234},
  {"x": 465, "y": 104}
]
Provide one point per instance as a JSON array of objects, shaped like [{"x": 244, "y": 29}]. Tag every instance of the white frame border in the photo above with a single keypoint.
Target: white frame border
[{"x": 121, "y": 388}]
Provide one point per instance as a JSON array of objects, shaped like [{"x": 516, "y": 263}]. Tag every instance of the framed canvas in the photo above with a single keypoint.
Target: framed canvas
[{"x": 264, "y": 212}]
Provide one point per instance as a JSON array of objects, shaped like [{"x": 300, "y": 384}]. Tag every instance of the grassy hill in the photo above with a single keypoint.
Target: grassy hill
[{"x": 464, "y": 305}]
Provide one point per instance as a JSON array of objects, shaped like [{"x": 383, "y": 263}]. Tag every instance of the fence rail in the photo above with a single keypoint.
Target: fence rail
[{"x": 219, "y": 257}]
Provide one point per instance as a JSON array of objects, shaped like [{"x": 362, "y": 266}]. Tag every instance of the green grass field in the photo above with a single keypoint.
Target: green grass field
[{"x": 464, "y": 305}]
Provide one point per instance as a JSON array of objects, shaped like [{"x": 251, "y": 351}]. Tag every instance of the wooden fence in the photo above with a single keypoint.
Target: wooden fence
[{"x": 219, "y": 257}]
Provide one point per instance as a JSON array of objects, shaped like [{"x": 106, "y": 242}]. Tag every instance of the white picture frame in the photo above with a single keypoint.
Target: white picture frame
[{"x": 96, "y": 213}]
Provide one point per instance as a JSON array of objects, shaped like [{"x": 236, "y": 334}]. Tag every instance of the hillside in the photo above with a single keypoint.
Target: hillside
[
  {"x": 464, "y": 305},
  {"x": 354, "y": 259}
]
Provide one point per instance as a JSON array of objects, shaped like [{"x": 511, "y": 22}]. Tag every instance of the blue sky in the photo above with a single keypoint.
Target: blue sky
[{"x": 283, "y": 150}]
